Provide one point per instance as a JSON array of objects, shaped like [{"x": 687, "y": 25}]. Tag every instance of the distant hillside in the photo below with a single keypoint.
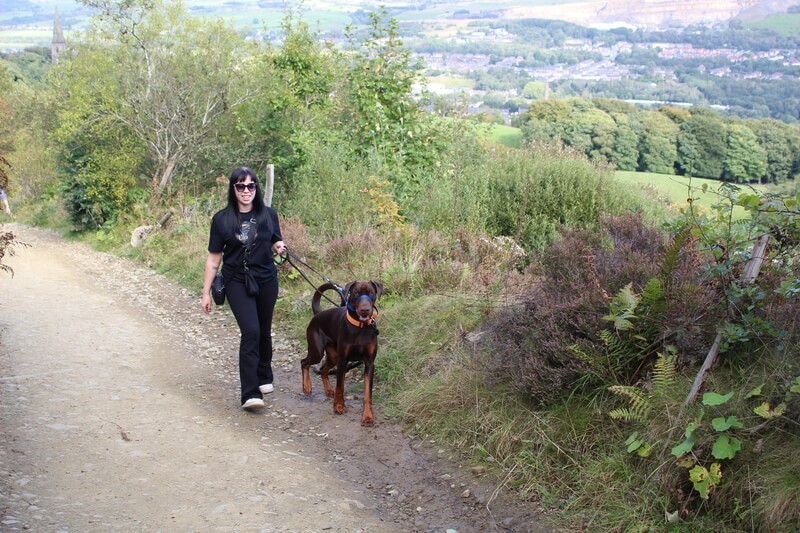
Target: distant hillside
[
  {"x": 652, "y": 13},
  {"x": 28, "y": 23},
  {"x": 764, "y": 8}
]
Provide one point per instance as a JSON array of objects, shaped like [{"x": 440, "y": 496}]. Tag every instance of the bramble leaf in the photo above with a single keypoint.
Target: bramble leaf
[
  {"x": 712, "y": 398},
  {"x": 635, "y": 445},
  {"x": 703, "y": 479},
  {"x": 765, "y": 412},
  {"x": 645, "y": 450},
  {"x": 726, "y": 447},
  {"x": 684, "y": 447},
  {"x": 724, "y": 424}
]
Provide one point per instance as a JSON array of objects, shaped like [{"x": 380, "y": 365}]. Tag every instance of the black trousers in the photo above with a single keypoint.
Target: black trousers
[{"x": 254, "y": 316}]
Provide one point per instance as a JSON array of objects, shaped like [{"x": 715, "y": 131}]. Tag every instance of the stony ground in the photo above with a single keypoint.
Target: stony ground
[{"x": 119, "y": 409}]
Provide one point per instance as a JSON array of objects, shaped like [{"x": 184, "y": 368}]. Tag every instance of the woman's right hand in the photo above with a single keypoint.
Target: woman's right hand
[{"x": 212, "y": 264}]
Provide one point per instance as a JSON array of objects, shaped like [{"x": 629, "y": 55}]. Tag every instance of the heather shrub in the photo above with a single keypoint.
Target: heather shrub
[{"x": 560, "y": 335}]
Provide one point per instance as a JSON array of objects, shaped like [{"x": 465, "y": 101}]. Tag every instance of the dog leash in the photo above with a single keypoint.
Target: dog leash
[{"x": 290, "y": 258}]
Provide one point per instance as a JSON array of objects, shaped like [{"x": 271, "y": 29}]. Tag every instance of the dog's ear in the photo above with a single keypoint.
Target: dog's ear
[
  {"x": 378, "y": 288},
  {"x": 347, "y": 291}
]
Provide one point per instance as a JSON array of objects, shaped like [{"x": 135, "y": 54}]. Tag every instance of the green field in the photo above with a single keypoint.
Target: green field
[
  {"x": 505, "y": 135},
  {"x": 452, "y": 82},
  {"x": 676, "y": 190},
  {"x": 785, "y": 24}
]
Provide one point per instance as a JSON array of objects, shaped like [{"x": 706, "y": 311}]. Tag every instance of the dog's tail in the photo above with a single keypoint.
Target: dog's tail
[{"x": 316, "y": 300}]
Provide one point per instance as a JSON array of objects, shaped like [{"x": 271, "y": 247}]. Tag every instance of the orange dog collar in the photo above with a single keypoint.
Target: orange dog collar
[{"x": 358, "y": 323}]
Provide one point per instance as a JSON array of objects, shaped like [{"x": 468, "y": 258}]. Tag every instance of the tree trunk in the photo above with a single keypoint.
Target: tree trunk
[{"x": 166, "y": 174}]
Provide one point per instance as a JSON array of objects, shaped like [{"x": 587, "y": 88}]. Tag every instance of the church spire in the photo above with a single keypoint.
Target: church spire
[{"x": 59, "y": 44}]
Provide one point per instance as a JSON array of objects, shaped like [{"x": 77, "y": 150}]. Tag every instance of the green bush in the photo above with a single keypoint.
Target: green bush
[
  {"x": 96, "y": 188},
  {"x": 330, "y": 195},
  {"x": 533, "y": 193}
]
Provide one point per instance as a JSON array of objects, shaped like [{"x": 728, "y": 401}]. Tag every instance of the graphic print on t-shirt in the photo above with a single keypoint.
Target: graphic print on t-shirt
[{"x": 248, "y": 224}]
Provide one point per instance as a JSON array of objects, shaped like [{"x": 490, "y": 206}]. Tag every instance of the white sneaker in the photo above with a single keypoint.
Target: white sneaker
[
  {"x": 253, "y": 403},
  {"x": 266, "y": 389}
]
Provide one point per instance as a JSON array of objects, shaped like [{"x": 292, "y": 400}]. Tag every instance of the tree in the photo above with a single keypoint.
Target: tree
[
  {"x": 6, "y": 131},
  {"x": 658, "y": 144},
  {"x": 781, "y": 143},
  {"x": 745, "y": 160},
  {"x": 293, "y": 108},
  {"x": 534, "y": 90},
  {"x": 536, "y": 130},
  {"x": 589, "y": 129},
  {"x": 702, "y": 145},
  {"x": 625, "y": 155},
  {"x": 178, "y": 78},
  {"x": 385, "y": 118},
  {"x": 540, "y": 122}
]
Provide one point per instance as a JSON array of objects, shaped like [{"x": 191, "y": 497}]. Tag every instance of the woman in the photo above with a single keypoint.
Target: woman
[{"x": 245, "y": 236}]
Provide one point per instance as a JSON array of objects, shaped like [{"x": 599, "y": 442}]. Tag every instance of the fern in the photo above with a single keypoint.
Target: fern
[
  {"x": 616, "y": 347},
  {"x": 653, "y": 292},
  {"x": 628, "y": 415},
  {"x": 664, "y": 373},
  {"x": 640, "y": 404},
  {"x": 620, "y": 351},
  {"x": 623, "y": 307},
  {"x": 671, "y": 260},
  {"x": 581, "y": 355}
]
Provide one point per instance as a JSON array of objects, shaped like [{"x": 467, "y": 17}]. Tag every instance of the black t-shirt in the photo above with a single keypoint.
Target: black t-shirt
[{"x": 250, "y": 240}]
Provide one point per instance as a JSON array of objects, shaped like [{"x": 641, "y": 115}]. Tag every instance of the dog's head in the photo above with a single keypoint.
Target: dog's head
[{"x": 361, "y": 297}]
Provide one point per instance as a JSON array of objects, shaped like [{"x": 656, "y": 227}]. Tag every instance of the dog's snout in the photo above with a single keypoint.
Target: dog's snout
[{"x": 364, "y": 308}]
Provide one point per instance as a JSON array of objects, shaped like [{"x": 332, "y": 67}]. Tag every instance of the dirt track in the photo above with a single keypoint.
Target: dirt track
[{"x": 119, "y": 412}]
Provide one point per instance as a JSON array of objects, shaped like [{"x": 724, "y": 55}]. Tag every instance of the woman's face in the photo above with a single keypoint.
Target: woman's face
[{"x": 245, "y": 193}]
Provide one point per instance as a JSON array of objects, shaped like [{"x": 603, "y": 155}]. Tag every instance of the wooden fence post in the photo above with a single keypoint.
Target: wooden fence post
[
  {"x": 749, "y": 275},
  {"x": 270, "y": 184}
]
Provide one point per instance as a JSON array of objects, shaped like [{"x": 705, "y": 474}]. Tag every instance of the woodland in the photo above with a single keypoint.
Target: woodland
[{"x": 578, "y": 333}]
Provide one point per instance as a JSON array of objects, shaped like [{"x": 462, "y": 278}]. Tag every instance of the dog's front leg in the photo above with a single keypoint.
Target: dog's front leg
[{"x": 367, "y": 418}]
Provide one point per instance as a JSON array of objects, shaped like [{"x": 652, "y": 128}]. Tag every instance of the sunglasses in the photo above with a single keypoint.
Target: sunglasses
[{"x": 242, "y": 186}]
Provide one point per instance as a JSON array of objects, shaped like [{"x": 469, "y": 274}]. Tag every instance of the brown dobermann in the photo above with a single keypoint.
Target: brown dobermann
[{"x": 348, "y": 335}]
